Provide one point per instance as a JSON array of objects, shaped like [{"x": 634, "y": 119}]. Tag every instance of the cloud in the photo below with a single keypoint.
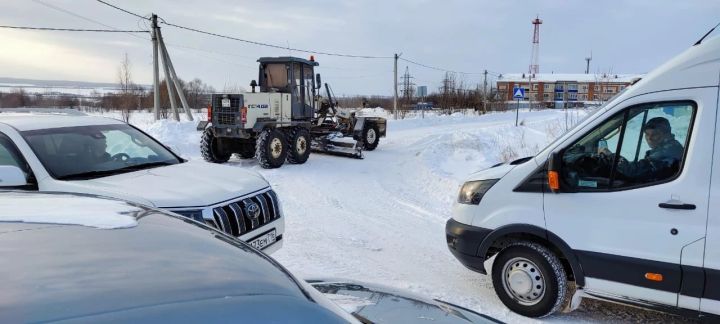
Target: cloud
[{"x": 465, "y": 35}]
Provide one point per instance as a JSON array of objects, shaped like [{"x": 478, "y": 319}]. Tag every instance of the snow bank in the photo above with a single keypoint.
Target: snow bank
[
  {"x": 382, "y": 219},
  {"x": 66, "y": 209}
]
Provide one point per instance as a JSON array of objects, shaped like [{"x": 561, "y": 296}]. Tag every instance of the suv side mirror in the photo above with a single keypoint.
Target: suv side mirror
[
  {"x": 11, "y": 176},
  {"x": 318, "y": 82},
  {"x": 553, "y": 175}
]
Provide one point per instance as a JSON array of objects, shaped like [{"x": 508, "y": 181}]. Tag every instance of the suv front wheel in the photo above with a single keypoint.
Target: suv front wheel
[{"x": 529, "y": 279}]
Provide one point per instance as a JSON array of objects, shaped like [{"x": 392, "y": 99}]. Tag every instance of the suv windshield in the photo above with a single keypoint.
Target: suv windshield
[{"x": 87, "y": 152}]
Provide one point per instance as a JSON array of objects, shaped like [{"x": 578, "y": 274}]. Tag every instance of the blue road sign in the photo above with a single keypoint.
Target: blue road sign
[{"x": 518, "y": 93}]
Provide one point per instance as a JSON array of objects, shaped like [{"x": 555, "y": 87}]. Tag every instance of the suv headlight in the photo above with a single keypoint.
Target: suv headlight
[{"x": 472, "y": 191}]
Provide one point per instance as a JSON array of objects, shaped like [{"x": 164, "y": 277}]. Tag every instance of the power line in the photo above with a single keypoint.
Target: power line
[
  {"x": 123, "y": 10},
  {"x": 248, "y": 41},
  {"x": 83, "y": 17},
  {"x": 275, "y": 46},
  {"x": 441, "y": 69},
  {"x": 76, "y": 29}
]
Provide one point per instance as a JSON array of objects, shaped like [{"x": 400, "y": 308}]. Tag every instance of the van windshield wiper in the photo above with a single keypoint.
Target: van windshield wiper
[{"x": 105, "y": 173}]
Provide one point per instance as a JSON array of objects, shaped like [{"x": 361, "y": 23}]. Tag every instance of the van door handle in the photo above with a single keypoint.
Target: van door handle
[{"x": 677, "y": 206}]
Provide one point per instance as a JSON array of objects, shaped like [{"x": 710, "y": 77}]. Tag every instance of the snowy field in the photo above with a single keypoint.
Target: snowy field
[{"x": 382, "y": 219}]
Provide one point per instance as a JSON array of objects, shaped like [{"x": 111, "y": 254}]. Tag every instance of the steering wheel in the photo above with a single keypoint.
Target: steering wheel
[
  {"x": 595, "y": 164},
  {"x": 121, "y": 157}
]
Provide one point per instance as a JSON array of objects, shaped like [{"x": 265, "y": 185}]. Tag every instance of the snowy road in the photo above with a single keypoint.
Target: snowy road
[{"x": 382, "y": 219}]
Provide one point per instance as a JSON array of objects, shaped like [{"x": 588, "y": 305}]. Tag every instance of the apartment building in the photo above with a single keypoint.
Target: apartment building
[{"x": 570, "y": 89}]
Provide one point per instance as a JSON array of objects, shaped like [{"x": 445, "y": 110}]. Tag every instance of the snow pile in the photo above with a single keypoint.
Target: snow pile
[
  {"x": 182, "y": 137},
  {"x": 372, "y": 112},
  {"x": 382, "y": 219},
  {"x": 67, "y": 209}
]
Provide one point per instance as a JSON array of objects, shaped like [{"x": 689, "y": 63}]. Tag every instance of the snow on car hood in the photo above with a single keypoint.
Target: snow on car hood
[
  {"x": 66, "y": 209},
  {"x": 189, "y": 184}
]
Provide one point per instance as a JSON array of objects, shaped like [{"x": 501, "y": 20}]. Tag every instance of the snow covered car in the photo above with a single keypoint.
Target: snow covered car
[
  {"x": 69, "y": 151},
  {"x": 80, "y": 258}
]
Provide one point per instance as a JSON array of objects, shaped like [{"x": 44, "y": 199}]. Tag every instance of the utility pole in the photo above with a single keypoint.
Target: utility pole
[
  {"x": 168, "y": 78},
  {"x": 530, "y": 98},
  {"x": 176, "y": 82},
  {"x": 484, "y": 97},
  {"x": 395, "y": 96},
  {"x": 407, "y": 86},
  {"x": 156, "y": 66}
]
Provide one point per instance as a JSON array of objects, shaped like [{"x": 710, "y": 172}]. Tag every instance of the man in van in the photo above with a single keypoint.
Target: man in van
[{"x": 660, "y": 162}]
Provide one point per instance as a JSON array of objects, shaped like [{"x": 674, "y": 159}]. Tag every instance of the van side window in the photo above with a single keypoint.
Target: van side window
[{"x": 640, "y": 146}]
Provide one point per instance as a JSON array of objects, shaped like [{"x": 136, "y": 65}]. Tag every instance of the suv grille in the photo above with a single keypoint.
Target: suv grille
[{"x": 245, "y": 215}]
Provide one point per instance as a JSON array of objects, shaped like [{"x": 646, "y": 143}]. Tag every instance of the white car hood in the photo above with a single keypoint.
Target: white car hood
[
  {"x": 189, "y": 184},
  {"x": 495, "y": 172}
]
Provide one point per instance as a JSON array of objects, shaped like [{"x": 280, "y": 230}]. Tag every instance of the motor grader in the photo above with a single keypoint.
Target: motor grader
[{"x": 285, "y": 120}]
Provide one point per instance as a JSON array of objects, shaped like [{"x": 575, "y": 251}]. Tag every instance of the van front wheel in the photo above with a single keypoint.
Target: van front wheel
[{"x": 529, "y": 279}]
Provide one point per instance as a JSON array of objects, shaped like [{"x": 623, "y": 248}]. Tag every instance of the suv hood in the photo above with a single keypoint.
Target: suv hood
[{"x": 189, "y": 184}]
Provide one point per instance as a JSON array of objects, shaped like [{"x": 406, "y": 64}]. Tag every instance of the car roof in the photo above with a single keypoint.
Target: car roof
[
  {"x": 34, "y": 121},
  {"x": 55, "y": 271}
]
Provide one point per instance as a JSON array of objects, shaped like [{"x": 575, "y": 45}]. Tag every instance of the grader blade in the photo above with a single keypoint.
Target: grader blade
[{"x": 337, "y": 145}]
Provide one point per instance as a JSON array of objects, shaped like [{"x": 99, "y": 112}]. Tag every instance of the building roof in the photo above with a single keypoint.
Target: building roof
[{"x": 579, "y": 77}]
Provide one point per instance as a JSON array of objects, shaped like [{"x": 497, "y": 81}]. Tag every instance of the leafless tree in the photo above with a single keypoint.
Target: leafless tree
[
  {"x": 127, "y": 99},
  {"x": 602, "y": 81}
]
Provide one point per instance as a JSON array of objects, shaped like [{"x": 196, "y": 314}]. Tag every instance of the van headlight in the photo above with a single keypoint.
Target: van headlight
[{"x": 472, "y": 191}]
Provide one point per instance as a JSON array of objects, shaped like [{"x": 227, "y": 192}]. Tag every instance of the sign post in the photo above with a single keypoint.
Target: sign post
[{"x": 518, "y": 94}]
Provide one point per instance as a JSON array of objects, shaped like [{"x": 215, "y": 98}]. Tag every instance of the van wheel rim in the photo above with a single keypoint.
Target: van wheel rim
[
  {"x": 301, "y": 145},
  {"x": 523, "y": 281},
  {"x": 371, "y": 136},
  {"x": 276, "y": 148}
]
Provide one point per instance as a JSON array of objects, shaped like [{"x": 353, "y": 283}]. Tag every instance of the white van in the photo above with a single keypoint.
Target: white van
[
  {"x": 626, "y": 204},
  {"x": 68, "y": 151}
]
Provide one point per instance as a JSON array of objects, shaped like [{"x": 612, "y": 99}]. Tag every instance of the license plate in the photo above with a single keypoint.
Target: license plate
[
  {"x": 264, "y": 240},
  {"x": 226, "y": 103}
]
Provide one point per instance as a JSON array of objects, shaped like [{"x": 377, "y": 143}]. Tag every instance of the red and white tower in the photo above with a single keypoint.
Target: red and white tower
[{"x": 534, "y": 63}]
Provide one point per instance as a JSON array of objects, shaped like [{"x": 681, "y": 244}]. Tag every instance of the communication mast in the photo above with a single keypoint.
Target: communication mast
[
  {"x": 587, "y": 65},
  {"x": 534, "y": 63}
]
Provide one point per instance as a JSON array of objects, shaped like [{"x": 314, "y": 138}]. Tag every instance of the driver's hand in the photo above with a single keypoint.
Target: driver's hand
[{"x": 604, "y": 151}]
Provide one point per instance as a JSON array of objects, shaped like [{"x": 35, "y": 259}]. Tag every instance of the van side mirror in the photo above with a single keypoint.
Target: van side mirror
[
  {"x": 11, "y": 176},
  {"x": 318, "y": 82},
  {"x": 553, "y": 174}
]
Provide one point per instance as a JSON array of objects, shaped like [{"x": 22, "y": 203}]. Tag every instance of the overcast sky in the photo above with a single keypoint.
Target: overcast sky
[{"x": 469, "y": 36}]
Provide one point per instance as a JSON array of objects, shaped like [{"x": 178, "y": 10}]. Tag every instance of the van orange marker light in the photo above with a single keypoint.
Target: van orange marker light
[
  {"x": 654, "y": 276},
  {"x": 553, "y": 180}
]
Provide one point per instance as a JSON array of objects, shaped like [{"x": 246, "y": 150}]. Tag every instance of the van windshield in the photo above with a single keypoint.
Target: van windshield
[{"x": 88, "y": 152}]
